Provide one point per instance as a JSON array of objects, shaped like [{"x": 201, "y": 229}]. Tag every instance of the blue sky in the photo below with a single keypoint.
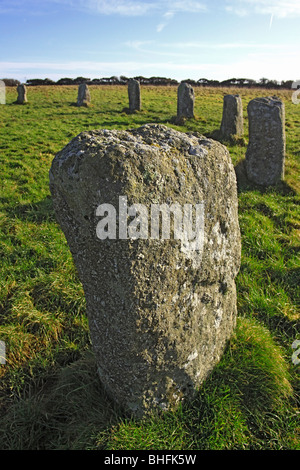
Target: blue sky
[{"x": 170, "y": 38}]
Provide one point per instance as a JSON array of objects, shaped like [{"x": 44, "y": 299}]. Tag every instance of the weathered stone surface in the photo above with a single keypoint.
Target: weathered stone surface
[
  {"x": 266, "y": 149},
  {"x": 232, "y": 119},
  {"x": 134, "y": 95},
  {"x": 159, "y": 314},
  {"x": 185, "y": 101},
  {"x": 84, "y": 97},
  {"x": 22, "y": 94}
]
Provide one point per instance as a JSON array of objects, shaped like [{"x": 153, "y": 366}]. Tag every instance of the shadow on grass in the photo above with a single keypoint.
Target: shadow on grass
[
  {"x": 38, "y": 212},
  {"x": 216, "y": 134},
  {"x": 279, "y": 323},
  {"x": 244, "y": 184},
  {"x": 69, "y": 409},
  {"x": 233, "y": 408},
  {"x": 60, "y": 411}
]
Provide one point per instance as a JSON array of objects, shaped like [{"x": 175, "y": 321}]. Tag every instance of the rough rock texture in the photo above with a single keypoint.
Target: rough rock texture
[
  {"x": 84, "y": 97},
  {"x": 185, "y": 101},
  {"x": 266, "y": 149},
  {"x": 232, "y": 119},
  {"x": 134, "y": 95},
  {"x": 22, "y": 94},
  {"x": 159, "y": 315}
]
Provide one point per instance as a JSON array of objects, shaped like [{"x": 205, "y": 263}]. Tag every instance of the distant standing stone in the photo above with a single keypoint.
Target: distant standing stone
[
  {"x": 84, "y": 97},
  {"x": 185, "y": 101},
  {"x": 232, "y": 120},
  {"x": 266, "y": 149},
  {"x": 134, "y": 95},
  {"x": 22, "y": 94}
]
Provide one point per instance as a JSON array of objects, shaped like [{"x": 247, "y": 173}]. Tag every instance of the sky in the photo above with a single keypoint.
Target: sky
[{"x": 179, "y": 39}]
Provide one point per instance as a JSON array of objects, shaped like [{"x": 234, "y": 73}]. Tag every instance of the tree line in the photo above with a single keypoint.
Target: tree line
[{"x": 156, "y": 81}]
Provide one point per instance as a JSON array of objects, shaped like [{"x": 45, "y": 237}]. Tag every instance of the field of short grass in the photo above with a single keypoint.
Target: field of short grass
[{"x": 50, "y": 395}]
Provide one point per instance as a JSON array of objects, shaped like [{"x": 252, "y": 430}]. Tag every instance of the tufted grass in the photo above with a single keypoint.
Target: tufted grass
[{"x": 50, "y": 397}]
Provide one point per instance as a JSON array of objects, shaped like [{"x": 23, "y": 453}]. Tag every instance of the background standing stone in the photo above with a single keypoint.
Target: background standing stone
[
  {"x": 84, "y": 97},
  {"x": 232, "y": 119},
  {"x": 134, "y": 95},
  {"x": 266, "y": 149},
  {"x": 160, "y": 314},
  {"x": 185, "y": 101},
  {"x": 22, "y": 94}
]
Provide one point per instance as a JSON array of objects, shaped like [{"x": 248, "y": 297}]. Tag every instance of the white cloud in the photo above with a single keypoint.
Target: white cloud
[
  {"x": 160, "y": 27},
  {"x": 56, "y": 70},
  {"x": 223, "y": 45},
  {"x": 62, "y": 66},
  {"x": 274, "y": 64},
  {"x": 139, "y": 7},
  {"x": 187, "y": 6},
  {"x": 138, "y": 45},
  {"x": 165, "y": 9},
  {"x": 119, "y": 7},
  {"x": 237, "y": 10},
  {"x": 104, "y": 7},
  {"x": 181, "y": 6},
  {"x": 190, "y": 48},
  {"x": 277, "y": 8},
  {"x": 166, "y": 19}
]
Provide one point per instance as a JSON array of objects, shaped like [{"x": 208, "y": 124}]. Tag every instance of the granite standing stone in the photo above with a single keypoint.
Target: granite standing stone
[
  {"x": 160, "y": 309},
  {"x": 185, "y": 101},
  {"x": 134, "y": 95},
  {"x": 232, "y": 119},
  {"x": 266, "y": 149},
  {"x": 84, "y": 97},
  {"x": 22, "y": 94}
]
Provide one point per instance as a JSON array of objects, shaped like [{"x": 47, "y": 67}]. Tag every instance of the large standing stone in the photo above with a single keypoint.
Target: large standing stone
[
  {"x": 22, "y": 94},
  {"x": 185, "y": 101},
  {"x": 232, "y": 119},
  {"x": 134, "y": 95},
  {"x": 84, "y": 97},
  {"x": 160, "y": 310},
  {"x": 266, "y": 149}
]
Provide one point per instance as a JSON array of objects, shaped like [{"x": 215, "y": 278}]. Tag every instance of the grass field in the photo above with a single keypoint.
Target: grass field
[{"x": 50, "y": 396}]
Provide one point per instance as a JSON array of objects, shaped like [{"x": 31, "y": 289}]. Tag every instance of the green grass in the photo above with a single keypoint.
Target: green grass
[{"x": 50, "y": 395}]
